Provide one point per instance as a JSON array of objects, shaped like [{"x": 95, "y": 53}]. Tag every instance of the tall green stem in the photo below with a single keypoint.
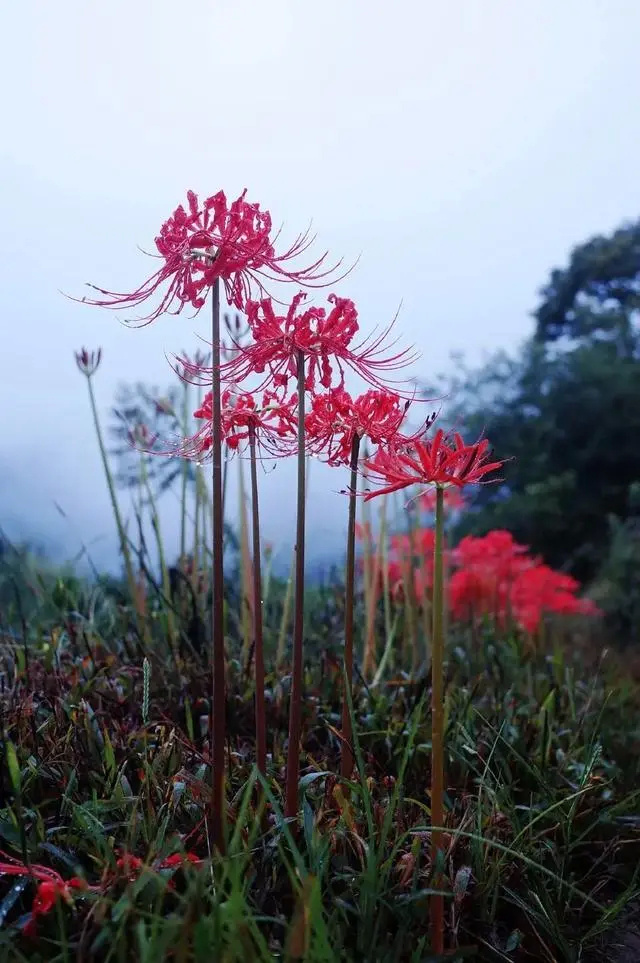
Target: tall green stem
[
  {"x": 437, "y": 725},
  {"x": 411, "y": 594},
  {"x": 286, "y": 605},
  {"x": 261, "y": 728},
  {"x": 196, "y": 532},
  {"x": 346, "y": 760},
  {"x": 218, "y": 721},
  {"x": 295, "y": 708},
  {"x": 185, "y": 478},
  {"x": 164, "y": 571},
  {"x": 122, "y": 535}
]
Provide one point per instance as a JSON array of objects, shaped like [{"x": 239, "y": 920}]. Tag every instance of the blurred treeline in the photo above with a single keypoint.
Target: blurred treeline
[{"x": 566, "y": 411}]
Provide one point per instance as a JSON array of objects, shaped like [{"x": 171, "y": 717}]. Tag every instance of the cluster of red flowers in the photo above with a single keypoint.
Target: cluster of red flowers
[
  {"x": 205, "y": 243},
  {"x": 50, "y": 886},
  {"x": 490, "y": 576},
  {"x": 496, "y": 576}
]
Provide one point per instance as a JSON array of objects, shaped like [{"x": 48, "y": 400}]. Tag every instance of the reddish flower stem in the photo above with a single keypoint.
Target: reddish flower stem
[
  {"x": 295, "y": 708},
  {"x": 346, "y": 759},
  {"x": 437, "y": 724},
  {"x": 218, "y": 727},
  {"x": 261, "y": 726}
]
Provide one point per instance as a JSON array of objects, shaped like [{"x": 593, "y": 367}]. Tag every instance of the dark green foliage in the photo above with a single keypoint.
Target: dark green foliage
[
  {"x": 617, "y": 588},
  {"x": 542, "y": 798},
  {"x": 138, "y": 405},
  {"x": 597, "y": 293},
  {"x": 566, "y": 413}
]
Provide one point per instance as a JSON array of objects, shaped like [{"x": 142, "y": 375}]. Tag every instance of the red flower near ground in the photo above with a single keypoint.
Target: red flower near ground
[
  {"x": 440, "y": 461},
  {"x": 336, "y": 418},
  {"x": 273, "y": 420},
  {"x": 540, "y": 590},
  {"x": 215, "y": 240},
  {"x": 179, "y": 859},
  {"x": 486, "y": 569},
  {"x": 323, "y": 336},
  {"x": 496, "y": 576},
  {"x": 129, "y": 865},
  {"x": 413, "y": 547},
  {"x": 51, "y": 887}
]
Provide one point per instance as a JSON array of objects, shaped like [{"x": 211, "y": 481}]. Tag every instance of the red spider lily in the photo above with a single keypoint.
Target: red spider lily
[
  {"x": 323, "y": 336},
  {"x": 440, "y": 461},
  {"x": 498, "y": 549},
  {"x": 486, "y": 569},
  {"x": 129, "y": 865},
  {"x": 51, "y": 887},
  {"x": 335, "y": 418},
  {"x": 496, "y": 576},
  {"x": 541, "y": 590},
  {"x": 417, "y": 545},
  {"x": 215, "y": 240},
  {"x": 274, "y": 422},
  {"x": 179, "y": 859}
]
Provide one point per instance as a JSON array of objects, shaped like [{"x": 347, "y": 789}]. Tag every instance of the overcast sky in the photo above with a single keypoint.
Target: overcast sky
[{"x": 461, "y": 148}]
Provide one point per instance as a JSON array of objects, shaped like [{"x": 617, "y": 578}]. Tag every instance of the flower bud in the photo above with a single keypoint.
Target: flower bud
[{"x": 88, "y": 361}]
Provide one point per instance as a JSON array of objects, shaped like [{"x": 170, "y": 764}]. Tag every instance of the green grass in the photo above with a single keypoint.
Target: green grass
[{"x": 543, "y": 836}]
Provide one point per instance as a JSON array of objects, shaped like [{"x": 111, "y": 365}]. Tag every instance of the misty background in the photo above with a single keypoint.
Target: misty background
[{"x": 460, "y": 149}]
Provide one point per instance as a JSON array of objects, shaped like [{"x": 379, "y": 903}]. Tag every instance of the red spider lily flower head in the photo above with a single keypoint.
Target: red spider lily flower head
[
  {"x": 540, "y": 590},
  {"x": 486, "y": 569},
  {"x": 88, "y": 361},
  {"x": 129, "y": 865},
  {"x": 496, "y": 550},
  {"x": 496, "y": 576},
  {"x": 336, "y": 419},
  {"x": 323, "y": 336},
  {"x": 210, "y": 241},
  {"x": 51, "y": 887},
  {"x": 439, "y": 462},
  {"x": 415, "y": 546},
  {"x": 180, "y": 859},
  {"x": 273, "y": 421}
]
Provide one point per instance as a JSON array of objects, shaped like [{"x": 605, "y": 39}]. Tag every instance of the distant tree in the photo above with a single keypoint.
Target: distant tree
[
  {"x": 162, "y": 416},
  {"x": 597, "y": 294},
  {"x": 565, "y": 411}
]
